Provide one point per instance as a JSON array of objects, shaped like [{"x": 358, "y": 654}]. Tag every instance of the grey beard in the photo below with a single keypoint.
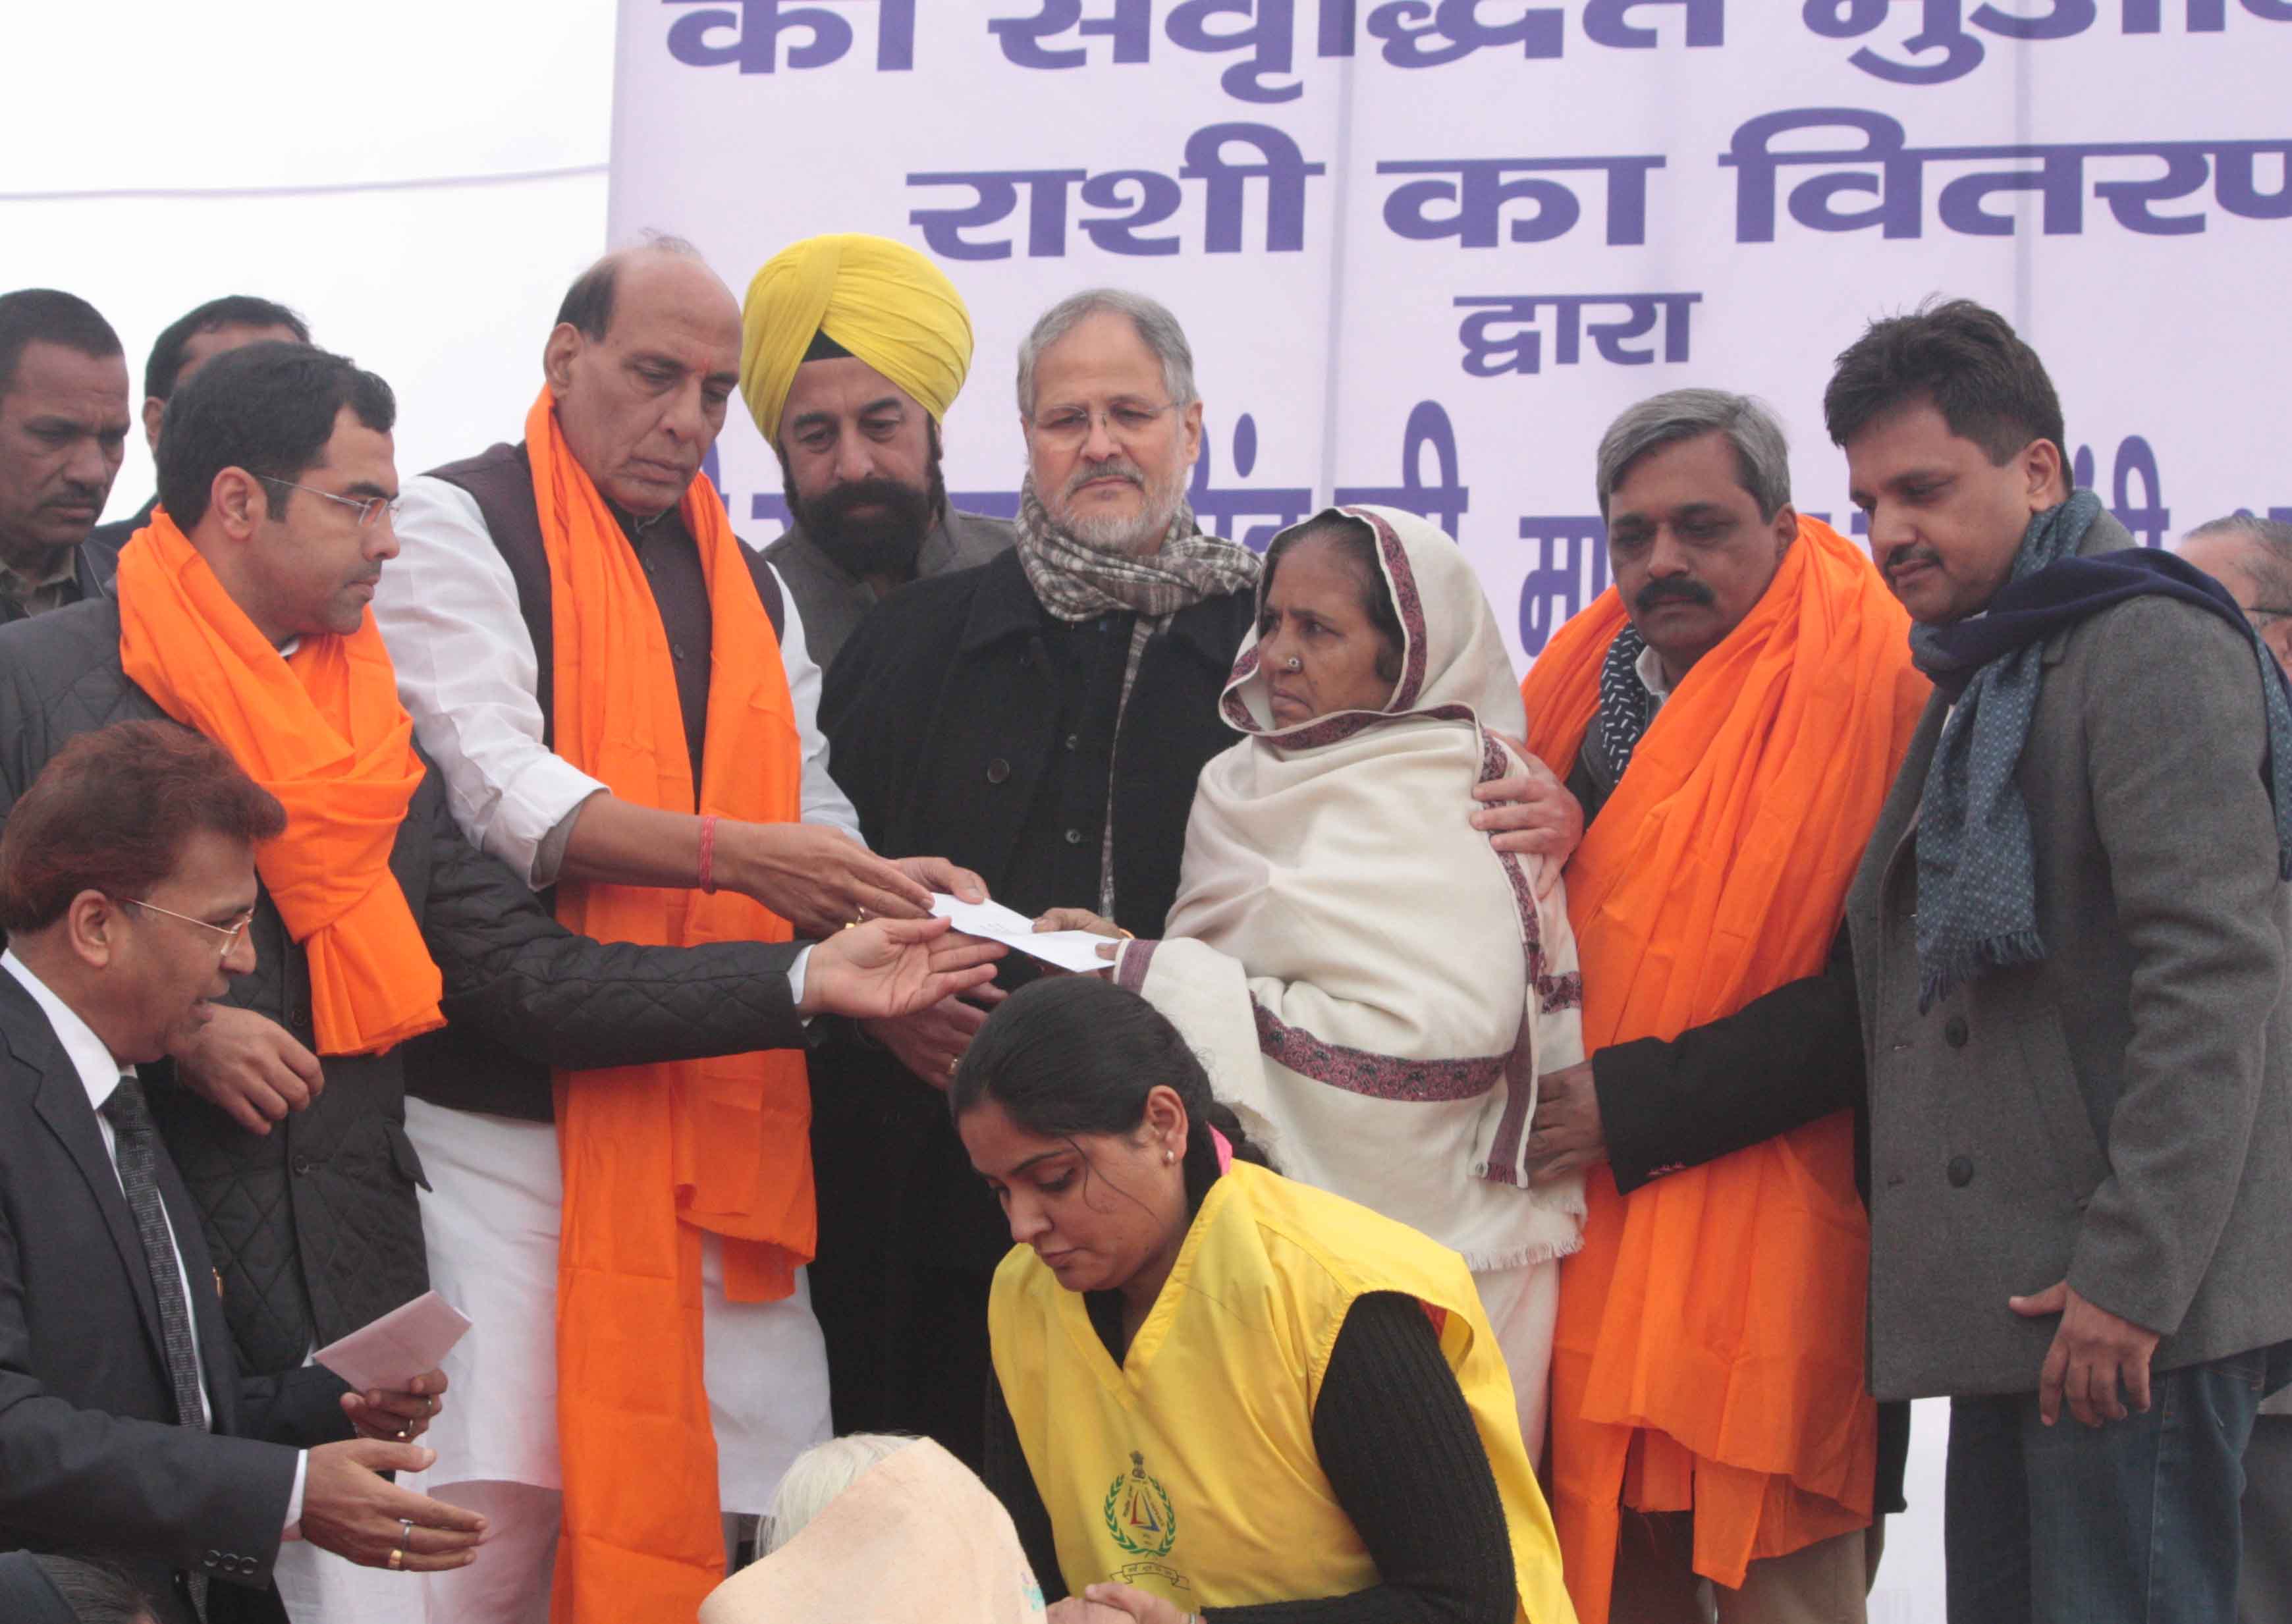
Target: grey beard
[{"x": 1140, "y": 535}]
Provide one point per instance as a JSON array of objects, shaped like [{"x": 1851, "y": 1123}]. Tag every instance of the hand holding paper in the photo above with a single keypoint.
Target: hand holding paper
[
  {"x": 407, "y": 1341},
  {"x": 1067, "y": 949}
]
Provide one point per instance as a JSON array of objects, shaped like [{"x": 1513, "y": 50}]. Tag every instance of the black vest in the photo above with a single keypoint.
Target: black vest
[
  {"x": 458, "y": 1066},
  {"x": 500, "y": 480}
]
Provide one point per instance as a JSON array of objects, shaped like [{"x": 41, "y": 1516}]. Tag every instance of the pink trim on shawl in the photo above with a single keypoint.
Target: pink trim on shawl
[{"x": 1383, "y": 1077}]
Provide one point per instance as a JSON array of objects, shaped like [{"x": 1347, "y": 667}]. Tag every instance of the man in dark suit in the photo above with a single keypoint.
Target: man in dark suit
[{"x": 127, "y": 1431}]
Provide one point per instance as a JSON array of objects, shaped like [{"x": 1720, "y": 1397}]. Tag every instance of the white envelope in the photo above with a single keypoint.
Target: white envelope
[
  {"x": 1067, "y": 949},
  {"x": 398, "y": 1347}
]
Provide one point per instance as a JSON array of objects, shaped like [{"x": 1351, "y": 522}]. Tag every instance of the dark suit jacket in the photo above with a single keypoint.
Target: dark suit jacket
[
  {"x": 314, "y": 1225},
  {"x": 2119, "y": 1112},
  {"x": 92, "y": 1460},
  {"x": 100, "y": 553}
]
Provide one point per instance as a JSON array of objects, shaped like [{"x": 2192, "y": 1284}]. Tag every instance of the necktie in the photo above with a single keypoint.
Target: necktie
[{"x": 136, "y": 1144}]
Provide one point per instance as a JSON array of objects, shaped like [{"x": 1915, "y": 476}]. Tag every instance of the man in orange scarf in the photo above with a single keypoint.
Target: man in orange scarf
[
  {"x": 621, "y": 697},
  {"x": 242, "y": 612},
  {"x": 1732, "y": 712}
]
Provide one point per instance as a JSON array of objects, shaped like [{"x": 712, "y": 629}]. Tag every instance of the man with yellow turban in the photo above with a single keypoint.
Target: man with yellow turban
[{"x": 852, "y": 350}]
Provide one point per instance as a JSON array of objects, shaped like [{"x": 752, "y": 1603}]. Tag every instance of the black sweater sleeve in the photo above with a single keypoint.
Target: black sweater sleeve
[
  {"x": 1006, "y": 1472},
  {"x": 1786, "y": 1058},
  {"x": 1399, "y": 1449}
]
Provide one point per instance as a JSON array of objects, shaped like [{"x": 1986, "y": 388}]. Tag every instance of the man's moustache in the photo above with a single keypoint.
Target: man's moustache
[
  {"x": 1105, "y": 471},
  {"x": 1672, "y": 591}
]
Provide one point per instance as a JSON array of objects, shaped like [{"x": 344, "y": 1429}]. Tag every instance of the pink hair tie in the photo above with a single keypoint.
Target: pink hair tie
[{"x": 1223, "y": 1146}]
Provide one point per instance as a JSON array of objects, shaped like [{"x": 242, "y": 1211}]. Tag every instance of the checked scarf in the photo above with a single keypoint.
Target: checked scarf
[{"x": 1977, "y": 873}]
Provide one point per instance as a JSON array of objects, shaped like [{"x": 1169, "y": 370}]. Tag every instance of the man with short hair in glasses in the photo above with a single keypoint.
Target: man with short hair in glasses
[
  {"x": 1041, "y": 718},
  {"x": 242, "y": 612}
]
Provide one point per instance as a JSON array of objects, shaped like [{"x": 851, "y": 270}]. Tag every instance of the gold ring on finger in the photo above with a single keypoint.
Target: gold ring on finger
[{"x": 397, "y": 1561}]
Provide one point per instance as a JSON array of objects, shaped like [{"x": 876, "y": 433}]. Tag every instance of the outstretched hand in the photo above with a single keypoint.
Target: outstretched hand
[
  {"x": 814, "y": 875},
  {"x": 350, "y": 1509},
  {"x": 1082, "y": 919},
  {"x": 889, "y": 967}
]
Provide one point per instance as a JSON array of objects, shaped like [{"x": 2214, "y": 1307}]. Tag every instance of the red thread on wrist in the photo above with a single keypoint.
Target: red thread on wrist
[{"x": 708, "y": 854}]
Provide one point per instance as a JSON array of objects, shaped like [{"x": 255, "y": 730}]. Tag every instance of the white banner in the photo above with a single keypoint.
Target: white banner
[{"x": 1426, "y": 249}]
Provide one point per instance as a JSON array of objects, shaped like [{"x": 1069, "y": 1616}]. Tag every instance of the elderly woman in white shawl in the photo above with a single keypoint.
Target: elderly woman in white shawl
[{"x": 1368, "y": 981}]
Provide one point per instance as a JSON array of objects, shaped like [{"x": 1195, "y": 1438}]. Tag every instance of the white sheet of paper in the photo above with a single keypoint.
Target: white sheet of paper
[
  {"x": 398, "y": 1347},
  {"x": 1067, "y": 949}
]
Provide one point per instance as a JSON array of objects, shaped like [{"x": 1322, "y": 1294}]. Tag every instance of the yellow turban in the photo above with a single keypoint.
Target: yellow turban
[{"x": 882, "y": 301}]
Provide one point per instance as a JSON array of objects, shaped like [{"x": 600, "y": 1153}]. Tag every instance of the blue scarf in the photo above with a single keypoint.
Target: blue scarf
[{"x": 1977, "y": 878}]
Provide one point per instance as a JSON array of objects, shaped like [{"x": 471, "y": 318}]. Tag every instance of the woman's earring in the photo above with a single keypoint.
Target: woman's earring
[{"x": 1169, "y": 1157}]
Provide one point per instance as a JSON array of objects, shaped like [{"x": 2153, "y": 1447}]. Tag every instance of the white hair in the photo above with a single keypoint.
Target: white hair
[{"x": 817, "y": 1477}]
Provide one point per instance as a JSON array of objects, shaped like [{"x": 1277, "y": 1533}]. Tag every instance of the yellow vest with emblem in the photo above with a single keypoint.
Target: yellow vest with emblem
[{"x": 1190, "y": 1469}]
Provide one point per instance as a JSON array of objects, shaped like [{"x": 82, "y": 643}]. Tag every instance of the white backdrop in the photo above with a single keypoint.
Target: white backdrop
[{"x": 421, "y": 181}]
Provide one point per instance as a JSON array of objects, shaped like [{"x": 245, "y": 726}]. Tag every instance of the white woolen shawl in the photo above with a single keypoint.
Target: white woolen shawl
[{"x": 1372, "y": 986}]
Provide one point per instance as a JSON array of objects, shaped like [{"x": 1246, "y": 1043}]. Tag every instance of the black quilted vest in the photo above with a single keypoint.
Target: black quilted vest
[{"x": 459, "y": 1067}]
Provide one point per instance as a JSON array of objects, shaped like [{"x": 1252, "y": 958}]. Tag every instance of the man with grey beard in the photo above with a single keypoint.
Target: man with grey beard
[{"x": 1043, "y": 717}]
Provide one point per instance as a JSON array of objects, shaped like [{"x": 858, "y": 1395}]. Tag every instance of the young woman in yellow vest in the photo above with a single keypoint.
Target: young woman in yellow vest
[{"x": 1218, "y": 1394}]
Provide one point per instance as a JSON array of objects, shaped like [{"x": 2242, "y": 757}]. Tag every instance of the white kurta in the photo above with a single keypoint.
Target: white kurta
[
  {"x": 467, "y": 671},
  {"x": 491, "y": 1222},
  {"x": 447, "y": 610}
]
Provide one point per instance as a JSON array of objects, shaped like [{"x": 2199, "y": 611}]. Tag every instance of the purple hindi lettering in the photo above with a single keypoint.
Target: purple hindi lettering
[
  {"x": 1479, "y": 190},
  {"x": 1130, "y": 24},
  {"x": 1942, "y": 47},
  {"x": 1226, "y": 158},
  {"x": 2148, "y": 517},
  {"x": 1427, "y": 432},
  {"x": 1502, "y": 334},
  {"x": 1606, "y": 23},
  {"x": 1570, "y": 547},
  {"x": 746, "y": 34},
  {"x": 1891, "y": 174},
  {"x": 1221, "y": 512},
  {"x": 1432, "y": 33}
]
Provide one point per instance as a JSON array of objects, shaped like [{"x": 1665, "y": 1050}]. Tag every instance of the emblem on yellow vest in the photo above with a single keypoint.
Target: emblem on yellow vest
[{"x": 1138, "y": 1511}]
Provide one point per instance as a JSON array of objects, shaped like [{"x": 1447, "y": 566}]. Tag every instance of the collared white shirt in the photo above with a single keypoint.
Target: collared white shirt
[
  {"x": 100, "y": 1074},
  {"x": 447, "y": 610},
  {"x": 1649, "y": 668}
]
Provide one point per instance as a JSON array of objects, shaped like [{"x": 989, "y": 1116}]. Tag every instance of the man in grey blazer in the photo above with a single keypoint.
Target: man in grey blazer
[
  {"x": 2252, "y": 558},
  {"x": 2070, "y": 939}
]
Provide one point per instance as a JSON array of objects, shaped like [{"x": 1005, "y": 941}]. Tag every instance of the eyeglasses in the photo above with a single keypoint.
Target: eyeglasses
[
  {"x": 231, "y": 933},
  {"x": 1071, "y": 425},
  {"x": 369, "y": 508},
  {"x": 2253, "y": 611}
]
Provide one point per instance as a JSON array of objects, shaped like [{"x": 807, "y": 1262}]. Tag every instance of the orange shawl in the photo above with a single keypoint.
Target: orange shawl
[
  {"x": 323, "y": 730},
  {"x": 1709, "y": 1352},
  {"x": 655, "y": 1155}
]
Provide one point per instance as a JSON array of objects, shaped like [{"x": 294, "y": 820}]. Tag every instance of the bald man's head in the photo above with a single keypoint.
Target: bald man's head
[
  {"x": 645, "y": 354},
  {"x": 2252, "y": 558}
]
